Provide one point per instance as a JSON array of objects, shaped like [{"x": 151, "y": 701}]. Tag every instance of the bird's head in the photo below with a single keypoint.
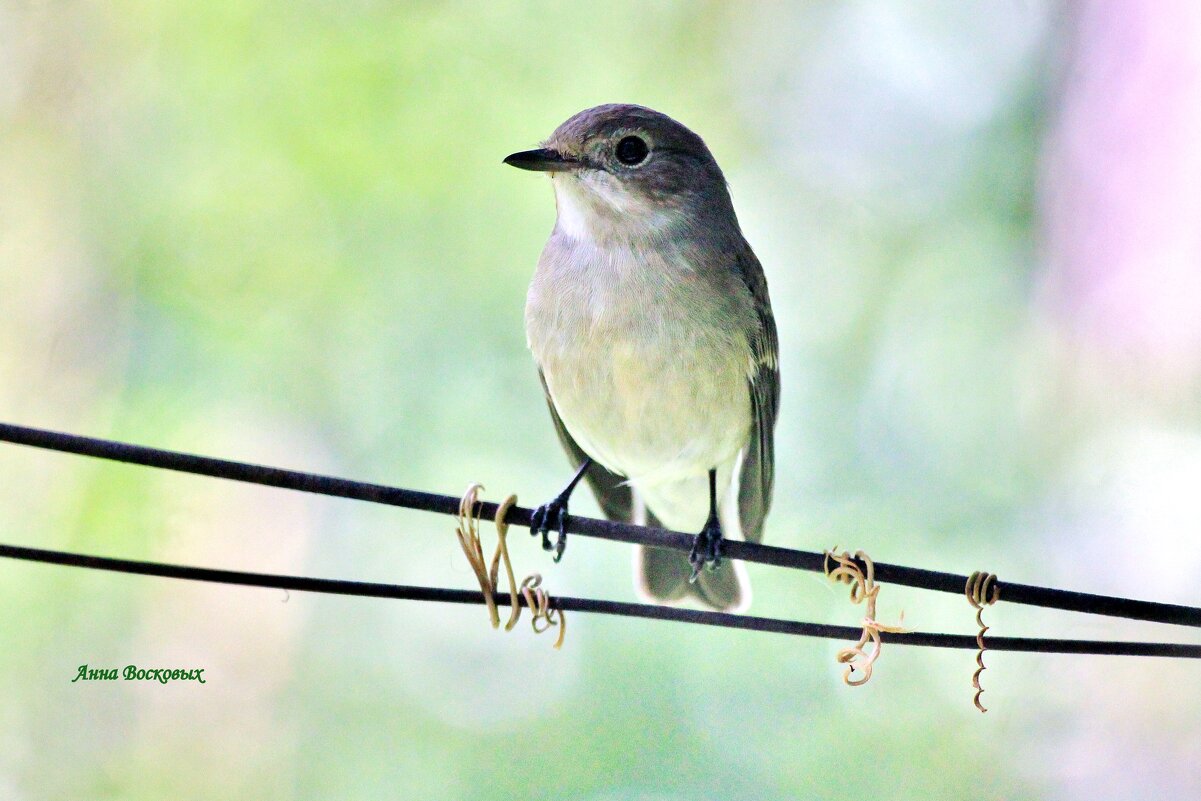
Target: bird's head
[{"x": 625, "y": 172}]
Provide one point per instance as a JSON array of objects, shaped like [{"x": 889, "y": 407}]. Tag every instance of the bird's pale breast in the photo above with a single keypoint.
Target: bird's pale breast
[{"x": 646, "y": 367}]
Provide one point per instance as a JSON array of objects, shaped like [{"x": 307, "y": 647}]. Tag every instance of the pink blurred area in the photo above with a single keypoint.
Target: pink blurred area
[{"x": 1122, "y": 183}]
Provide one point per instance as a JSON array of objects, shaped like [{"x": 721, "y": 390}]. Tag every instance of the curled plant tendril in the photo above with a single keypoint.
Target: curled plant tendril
[
  {"x": 981, "y": 590},
  {"x": 538, "y": 601},
  {"x": 468, "y": 531},
  {"x": 536, "y": 598},
  {"x": 863, "y": 588}
]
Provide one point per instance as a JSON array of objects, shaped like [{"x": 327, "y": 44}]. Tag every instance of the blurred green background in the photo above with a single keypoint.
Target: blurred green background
[{"x": 281, "y": 232}]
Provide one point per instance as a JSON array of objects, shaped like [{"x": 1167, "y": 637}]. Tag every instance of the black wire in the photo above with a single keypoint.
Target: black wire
[
  {"x": 1010, "y": 592},
  {"x": 648, "y": 611}
]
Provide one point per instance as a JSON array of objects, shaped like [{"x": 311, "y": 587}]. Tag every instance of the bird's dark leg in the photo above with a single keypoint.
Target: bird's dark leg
[
  {"x": 706, "y": 548},
  {"x": 554, "y": 514}
]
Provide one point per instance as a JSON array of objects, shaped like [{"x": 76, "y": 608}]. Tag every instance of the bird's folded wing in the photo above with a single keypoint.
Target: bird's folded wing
[{"x": 758, "y": 463}]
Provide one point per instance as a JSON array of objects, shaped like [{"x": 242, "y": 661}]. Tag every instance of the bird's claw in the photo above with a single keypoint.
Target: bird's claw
[
  {"x": 548, "y": 517},
  {"x": 706, "y": 548}
]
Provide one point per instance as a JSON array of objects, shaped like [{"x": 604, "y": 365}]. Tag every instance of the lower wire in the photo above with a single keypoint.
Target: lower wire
[{"x": 625, "y": 609}]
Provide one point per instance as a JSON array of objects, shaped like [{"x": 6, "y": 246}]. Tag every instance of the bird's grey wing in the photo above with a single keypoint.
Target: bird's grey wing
[
  {"x": 615, "y": 498},
  {"x": 758, "y": 463}
]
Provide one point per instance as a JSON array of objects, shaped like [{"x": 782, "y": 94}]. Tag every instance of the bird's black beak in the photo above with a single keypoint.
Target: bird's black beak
[{"x": 541, "y": 160}]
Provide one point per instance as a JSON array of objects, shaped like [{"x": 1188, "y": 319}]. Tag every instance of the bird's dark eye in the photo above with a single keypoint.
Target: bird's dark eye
[{"x": 631, "y": 151}]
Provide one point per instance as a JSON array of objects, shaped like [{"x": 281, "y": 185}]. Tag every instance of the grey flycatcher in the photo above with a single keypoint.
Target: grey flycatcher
[{"x": 649, "y": 319}]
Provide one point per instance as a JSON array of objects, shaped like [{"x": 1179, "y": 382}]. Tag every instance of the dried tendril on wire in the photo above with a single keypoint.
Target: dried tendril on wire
[
  {"x": 981, "y": 590},
  {"x": 545, "y": 615},
  {"x": 863, "y": 588}
]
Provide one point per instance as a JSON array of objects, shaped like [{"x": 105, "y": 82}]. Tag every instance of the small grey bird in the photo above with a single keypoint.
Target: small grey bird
[{"x": 650, "y": 322}]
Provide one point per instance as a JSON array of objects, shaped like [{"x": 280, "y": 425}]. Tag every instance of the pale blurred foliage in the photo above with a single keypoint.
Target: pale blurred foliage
[{"x": 281, "y": 232}]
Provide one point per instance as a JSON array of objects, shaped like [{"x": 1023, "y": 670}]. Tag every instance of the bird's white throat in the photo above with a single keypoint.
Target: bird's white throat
[{"x": 594, "y": 206}]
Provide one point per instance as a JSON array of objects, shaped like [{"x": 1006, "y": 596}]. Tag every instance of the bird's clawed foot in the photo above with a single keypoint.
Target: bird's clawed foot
[
  {"x": 553, "y": 515},
  {"x": 548, "y": 517},
  {"x": 706, "y": 548}
]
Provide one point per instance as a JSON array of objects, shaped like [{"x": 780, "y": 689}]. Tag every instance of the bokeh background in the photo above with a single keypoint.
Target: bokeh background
[{"x": 281, "y": 232}]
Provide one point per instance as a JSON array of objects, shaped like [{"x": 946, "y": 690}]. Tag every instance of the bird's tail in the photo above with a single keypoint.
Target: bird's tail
[{"x": 662, "y": 576}]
